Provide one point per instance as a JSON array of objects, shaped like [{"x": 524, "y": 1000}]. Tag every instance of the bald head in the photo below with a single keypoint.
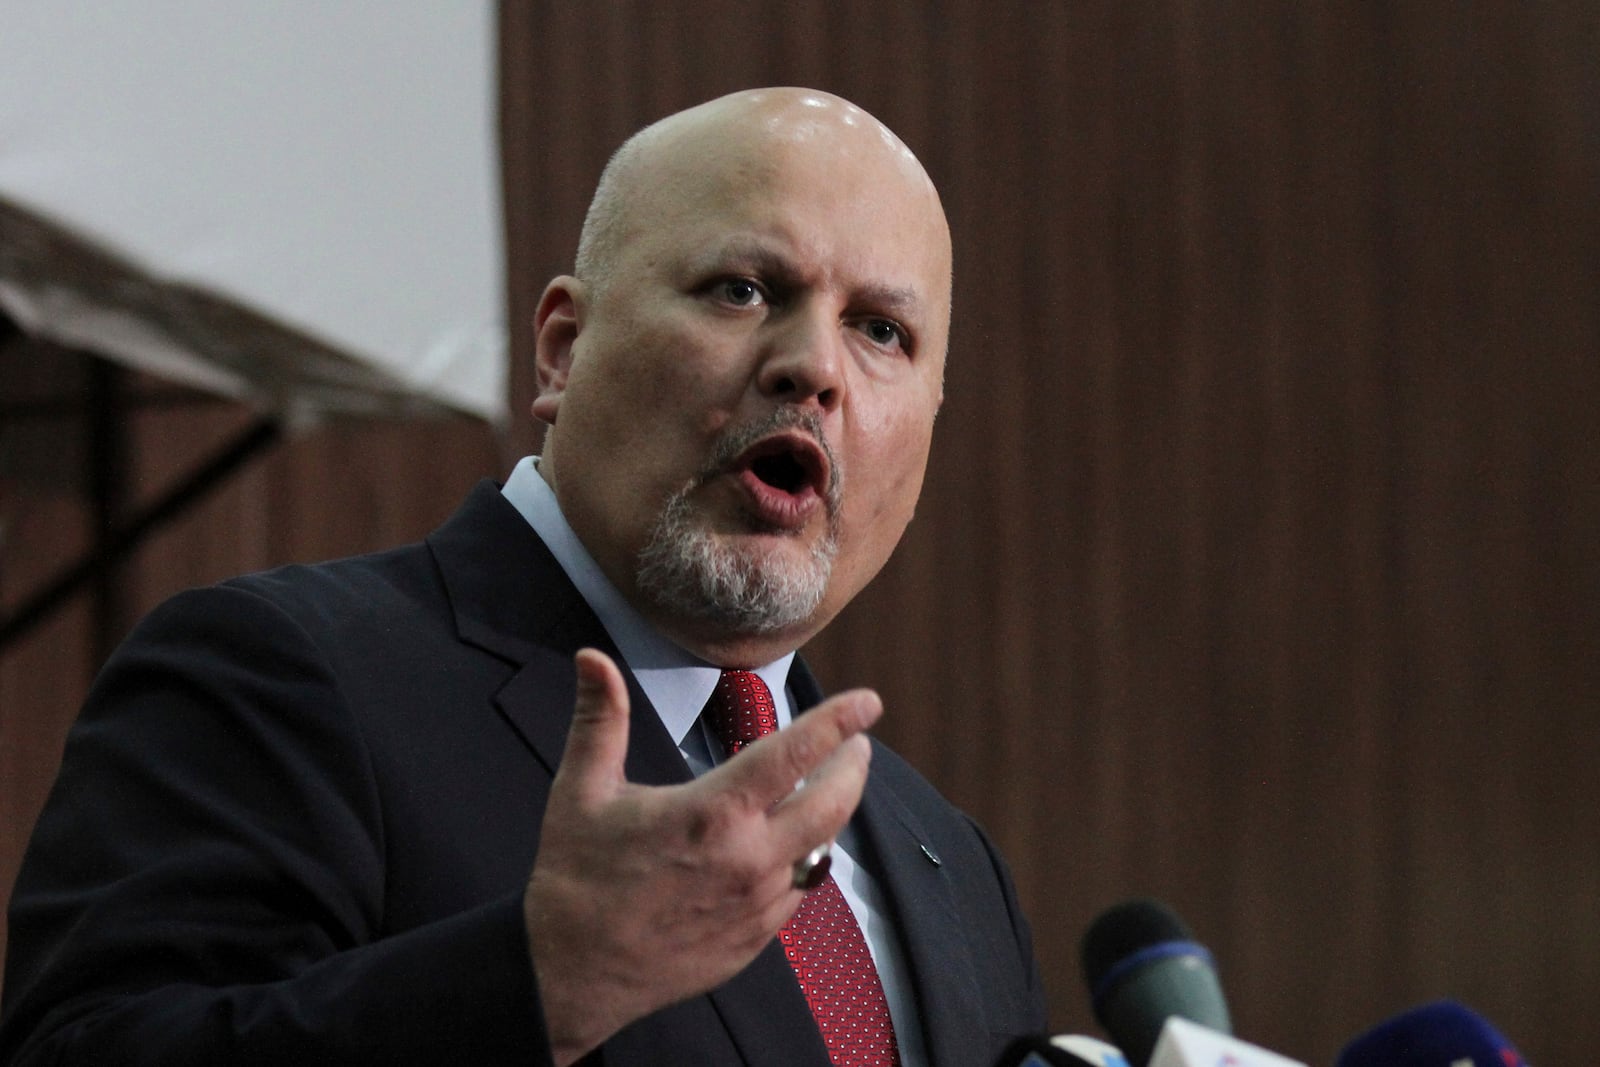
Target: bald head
[{"x": 731, "y": 135}]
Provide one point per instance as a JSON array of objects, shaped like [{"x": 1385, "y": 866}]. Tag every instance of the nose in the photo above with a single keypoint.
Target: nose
[{"x": 805, "y": 360}]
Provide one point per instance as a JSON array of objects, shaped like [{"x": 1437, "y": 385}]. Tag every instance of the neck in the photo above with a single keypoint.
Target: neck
[{"x": 731, "y": 650}]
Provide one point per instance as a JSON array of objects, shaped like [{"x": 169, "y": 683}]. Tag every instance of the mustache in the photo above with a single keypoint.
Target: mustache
[{"x": 735, "y": 440}]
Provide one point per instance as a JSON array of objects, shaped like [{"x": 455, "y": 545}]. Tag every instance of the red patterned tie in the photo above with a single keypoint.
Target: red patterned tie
[{"x": 823, "y": 941}]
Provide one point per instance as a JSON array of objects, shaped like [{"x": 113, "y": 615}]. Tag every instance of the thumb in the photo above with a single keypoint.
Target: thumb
[{"x": 597, "y": 744}]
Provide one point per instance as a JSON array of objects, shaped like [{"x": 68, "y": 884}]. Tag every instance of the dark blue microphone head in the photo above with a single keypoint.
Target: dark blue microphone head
[
  {"x": 1441, "y": 1034},
  {"x": 1142, "y": 966}
]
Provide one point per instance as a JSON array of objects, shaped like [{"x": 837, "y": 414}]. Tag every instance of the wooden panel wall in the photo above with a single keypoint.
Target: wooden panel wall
[
  {"x": 1257, "y": 566},
  {"x": 328, "y": 491}
]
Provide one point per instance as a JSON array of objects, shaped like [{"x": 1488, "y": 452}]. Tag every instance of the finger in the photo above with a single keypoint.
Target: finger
[
  {"x": 597, "y": 743},
  {"x": 769, "y": 770},
  {"x": 817, "y": 812}
]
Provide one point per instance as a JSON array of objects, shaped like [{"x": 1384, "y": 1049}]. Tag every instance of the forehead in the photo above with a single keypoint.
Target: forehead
[{"x": 855, "y": 206}]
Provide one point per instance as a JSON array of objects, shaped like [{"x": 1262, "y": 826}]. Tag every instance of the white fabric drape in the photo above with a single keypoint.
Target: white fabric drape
[{"x": 296, "y": 204}]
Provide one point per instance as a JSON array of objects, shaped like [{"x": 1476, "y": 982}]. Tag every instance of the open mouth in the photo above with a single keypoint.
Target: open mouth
[
  {"x": 781, "y": 472},
  {"x": 789, "y": 463}
]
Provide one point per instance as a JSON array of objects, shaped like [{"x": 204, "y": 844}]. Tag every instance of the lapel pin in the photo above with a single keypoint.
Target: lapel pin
[{"x": 932, "y": 858}]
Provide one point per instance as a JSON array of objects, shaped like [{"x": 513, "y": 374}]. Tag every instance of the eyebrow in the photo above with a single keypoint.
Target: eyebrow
[
  {"x": 744, "y": 252},
  {"x": 892, "y": 298}
]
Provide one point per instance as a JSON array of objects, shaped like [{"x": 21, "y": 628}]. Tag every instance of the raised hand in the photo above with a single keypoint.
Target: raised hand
[{"x": 642, "y": 896}]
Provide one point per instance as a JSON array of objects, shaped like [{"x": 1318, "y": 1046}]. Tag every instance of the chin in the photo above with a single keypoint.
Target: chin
[{"x": 732, "y": 585}]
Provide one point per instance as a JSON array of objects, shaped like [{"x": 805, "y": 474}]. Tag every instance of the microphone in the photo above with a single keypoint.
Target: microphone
[
  {"x": 1441, "y": 1034},
  {"x": 1187, "y": 1044},
  {"x": 1142, "y": 966},
  {"x": 1090, "y": 1050},
  {"x": 1063, "y": 1050}
]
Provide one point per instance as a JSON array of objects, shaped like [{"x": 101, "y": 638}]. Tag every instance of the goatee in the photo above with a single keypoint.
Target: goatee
[{"x": 692, "y": 573}]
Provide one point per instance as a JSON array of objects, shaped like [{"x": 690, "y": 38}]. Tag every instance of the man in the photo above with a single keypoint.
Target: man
[{"x": 297, "y": 820}]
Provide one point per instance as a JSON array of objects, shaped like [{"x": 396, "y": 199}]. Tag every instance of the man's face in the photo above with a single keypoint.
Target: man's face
[{"x": 746, "y": 403}]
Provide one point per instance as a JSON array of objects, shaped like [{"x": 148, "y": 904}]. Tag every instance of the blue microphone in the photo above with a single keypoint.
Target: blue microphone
[
  {"x": 1441, "y": 1034},
  {"x": 1143, "y": 966}
]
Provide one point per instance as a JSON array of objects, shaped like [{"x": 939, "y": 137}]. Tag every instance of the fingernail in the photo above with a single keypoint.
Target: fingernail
[{"x": 588, "y": 671}]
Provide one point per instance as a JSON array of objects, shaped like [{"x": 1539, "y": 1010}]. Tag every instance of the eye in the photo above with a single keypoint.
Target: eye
[
  {"x": 740, "y": 292},
  {"x": 886, "y": 332}
]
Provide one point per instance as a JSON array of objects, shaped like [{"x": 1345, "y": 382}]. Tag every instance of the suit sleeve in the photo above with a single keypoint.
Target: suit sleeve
[{"x": 206, "y": 884}]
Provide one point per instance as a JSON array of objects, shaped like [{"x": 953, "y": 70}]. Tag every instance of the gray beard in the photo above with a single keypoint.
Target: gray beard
[{"x": 688, "y": 572}]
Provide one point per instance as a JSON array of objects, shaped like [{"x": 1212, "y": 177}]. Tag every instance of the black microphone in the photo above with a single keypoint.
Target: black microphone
[
  {"x": 1143, "y": 966},
  {"x": 1441, "y": 1034}
]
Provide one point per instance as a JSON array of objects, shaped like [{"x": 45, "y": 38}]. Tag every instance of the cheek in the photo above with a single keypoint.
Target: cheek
[
  {"x": 642, "y": 378},
  {"x": 889, "y": 469},
  {"x": 897, "y": 414}
]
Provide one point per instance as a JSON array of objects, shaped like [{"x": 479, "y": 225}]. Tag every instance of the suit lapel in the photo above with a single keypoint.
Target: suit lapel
[
  {"x": 548, "y": 682},
  {"x": 917, "y": 885},
  {"x": 512, "y": 599}
]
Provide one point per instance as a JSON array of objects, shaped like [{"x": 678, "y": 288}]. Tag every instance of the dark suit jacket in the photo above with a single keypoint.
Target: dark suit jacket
[{"x": 296, "y": 817}]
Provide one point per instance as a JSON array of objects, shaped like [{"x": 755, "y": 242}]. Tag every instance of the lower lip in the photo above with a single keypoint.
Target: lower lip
[{"x": 773, "y": 506}]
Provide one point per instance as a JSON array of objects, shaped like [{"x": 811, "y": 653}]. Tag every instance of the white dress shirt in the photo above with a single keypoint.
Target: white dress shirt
[{"x": 679, "y": 685}]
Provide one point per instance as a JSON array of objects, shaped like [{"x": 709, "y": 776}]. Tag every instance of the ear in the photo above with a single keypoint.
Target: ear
[{"x": 556, "y": 325}]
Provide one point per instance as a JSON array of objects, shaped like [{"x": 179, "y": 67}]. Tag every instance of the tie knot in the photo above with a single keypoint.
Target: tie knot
[{"x": 740, "y": 710}]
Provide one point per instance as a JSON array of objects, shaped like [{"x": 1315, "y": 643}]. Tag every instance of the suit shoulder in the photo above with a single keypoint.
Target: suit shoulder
[
  {"x": 399, "y": 571},
  {"x": 330, "y": 588}
]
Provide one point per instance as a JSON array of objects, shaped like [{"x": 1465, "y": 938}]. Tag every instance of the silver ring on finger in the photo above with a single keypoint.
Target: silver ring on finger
[{"x": 812, "y": 870}]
